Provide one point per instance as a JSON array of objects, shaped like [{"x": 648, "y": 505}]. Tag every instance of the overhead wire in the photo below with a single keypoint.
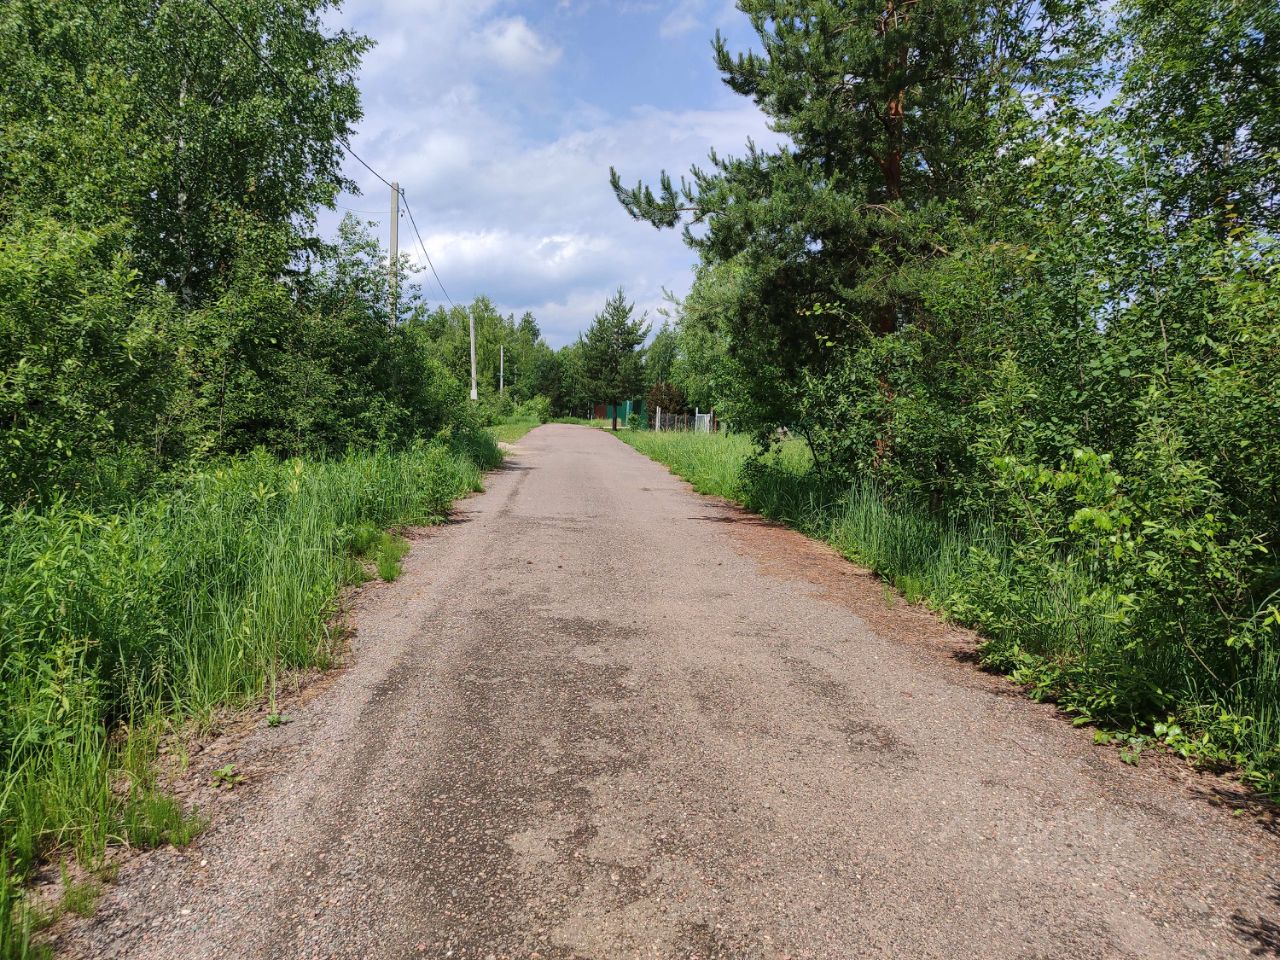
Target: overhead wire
[
  {"x": 253, "y": 48},
  {"x": 414, "y": 223}
]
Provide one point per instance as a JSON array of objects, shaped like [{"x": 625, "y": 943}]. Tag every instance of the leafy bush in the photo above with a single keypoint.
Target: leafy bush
[{"x": 535, "y": 408}]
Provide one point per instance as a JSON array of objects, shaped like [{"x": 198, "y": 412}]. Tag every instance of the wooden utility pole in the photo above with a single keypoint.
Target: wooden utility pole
[
  {"x": 471, "y": 315},
  {"x": 502, "y": 368},
  {"x": 394, "y": 263}
]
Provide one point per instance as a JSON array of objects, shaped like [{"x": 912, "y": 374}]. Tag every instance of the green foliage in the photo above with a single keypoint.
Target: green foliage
[
  {"x": 196, "y": 595},
  {"x": 536, "y": 408},
  {"x": 82, "y": 361},
  {"x": 170, "y": 328},
  {"x": 226, "y": 777},
  {"x": 613, "y": 354},
  {"x": 531, "y": 368},
  {"x": 571, "y": 394},
  {"x": 80, "y": 896},
  {"x": 150, "y": 819}
]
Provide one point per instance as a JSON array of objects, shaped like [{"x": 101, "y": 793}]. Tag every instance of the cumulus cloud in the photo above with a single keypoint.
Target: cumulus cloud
[
  {"x": 503, "y": 143},
  {"x": 514, "y": 45}
]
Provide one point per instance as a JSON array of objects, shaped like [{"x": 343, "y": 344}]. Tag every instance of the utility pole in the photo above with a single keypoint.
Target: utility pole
[
  {"x": 471, "y": 315},
  {"x": 502, "y": 368},
  {"x": 394, "y": 263}
]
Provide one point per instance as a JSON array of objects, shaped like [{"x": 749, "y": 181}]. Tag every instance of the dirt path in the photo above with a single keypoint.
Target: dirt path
[{"x": 601, "y": 716}]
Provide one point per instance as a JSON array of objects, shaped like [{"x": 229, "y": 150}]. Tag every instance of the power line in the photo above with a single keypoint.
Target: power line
[
  {"x": 253, "y": 48},
  {"x": 360, "y": 160},
  {"x": 409, "y": 210}
]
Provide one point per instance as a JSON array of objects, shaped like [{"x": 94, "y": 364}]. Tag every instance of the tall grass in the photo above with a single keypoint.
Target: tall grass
[
  {"x": 115, "y": 624},
  {"x": 1053, "y": 624},
  {"x": 512, "y": 429}
]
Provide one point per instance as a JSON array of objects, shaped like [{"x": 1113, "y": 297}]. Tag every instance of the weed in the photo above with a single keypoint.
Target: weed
[
  {"x": 150, "y": 819},
  {"x": 227, "y": 777},
  {"x": 79, "y": 896},
  {"x": 390, "y": 551},
  {"x": 912, "y": 589}
]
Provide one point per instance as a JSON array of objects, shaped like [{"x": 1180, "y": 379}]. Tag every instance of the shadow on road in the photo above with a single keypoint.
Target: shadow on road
[{"x": 1263, "y": 933}]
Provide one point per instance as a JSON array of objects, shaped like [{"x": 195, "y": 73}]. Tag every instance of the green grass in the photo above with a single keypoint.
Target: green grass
[
  {"x": 80, "y": 896},
  {"x": 119, "y": 626},
  {"x": 370, "y": 545},
  {"x": 1051, "y": 626},
  {"x": 509, "y": 431}
]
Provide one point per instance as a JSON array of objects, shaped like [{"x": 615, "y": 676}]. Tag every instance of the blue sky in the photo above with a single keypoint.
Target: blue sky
[{"x": 501, "y": 119}]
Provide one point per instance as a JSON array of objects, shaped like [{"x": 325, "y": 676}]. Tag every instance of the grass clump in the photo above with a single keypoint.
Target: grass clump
[
  {"x": 151, "y": 819},
  {"x": 80, "y": 896},
  {"x": 377, "y": 547}
]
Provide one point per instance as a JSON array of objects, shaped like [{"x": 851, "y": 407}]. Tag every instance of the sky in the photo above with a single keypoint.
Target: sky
[{"x": 501, "y": 118}]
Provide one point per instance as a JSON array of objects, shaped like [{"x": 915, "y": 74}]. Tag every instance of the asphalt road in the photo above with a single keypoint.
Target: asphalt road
[{"x": 601, "y": 717}]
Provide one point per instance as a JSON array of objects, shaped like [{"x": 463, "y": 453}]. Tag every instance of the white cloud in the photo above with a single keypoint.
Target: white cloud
[
  {"x": 684, "y": 17},
  {"x": 508, "y": 180},
  {"x": 514, "y": 45}
]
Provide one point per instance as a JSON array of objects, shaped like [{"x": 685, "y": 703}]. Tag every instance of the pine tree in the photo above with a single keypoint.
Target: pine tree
[
  {"x": 891, "y": 109},
  {"x": 612, "y": 352}
]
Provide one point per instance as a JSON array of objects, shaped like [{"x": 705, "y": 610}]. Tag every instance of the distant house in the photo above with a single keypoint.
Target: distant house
[{"x": 604, "y": 411}]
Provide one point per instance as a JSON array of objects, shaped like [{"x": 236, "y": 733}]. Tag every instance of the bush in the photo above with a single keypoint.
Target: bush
[{"x": 535, "y": 408}]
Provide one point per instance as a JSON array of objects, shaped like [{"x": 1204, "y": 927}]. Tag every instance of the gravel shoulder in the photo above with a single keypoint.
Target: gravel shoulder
[{"x": 600, "y": 716}]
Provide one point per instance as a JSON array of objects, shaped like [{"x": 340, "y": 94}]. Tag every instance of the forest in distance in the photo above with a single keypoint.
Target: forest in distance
[{"x": 999, "y": 318}]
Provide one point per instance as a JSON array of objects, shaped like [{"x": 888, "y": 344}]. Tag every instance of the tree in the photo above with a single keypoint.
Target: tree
[
  {"x": 1201, "y": 86},
  {"x": 613, "y": 357},
  {"x": 890, "y": 109},
  {"x": 665, "y": 396},
  {"x": 570, "y": 395},
  {"x": 660, "y": 355},
  {"x": 201, "y": 129}
]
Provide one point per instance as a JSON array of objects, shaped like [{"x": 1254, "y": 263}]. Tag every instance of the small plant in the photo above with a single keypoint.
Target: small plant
[
  {"x": 913, "y": 590},
  {"x": 1131, "y": 744},
  {"x": 353, "y": 572},
  {"x": 227, "y": 778},
  {"x": 277, "y": 719},
  {"x": 151, "y": 818},
  {"x": 364, "y": 537},
  {"x": 79, "y": 897},
  {"x": 391, "y": 550}
]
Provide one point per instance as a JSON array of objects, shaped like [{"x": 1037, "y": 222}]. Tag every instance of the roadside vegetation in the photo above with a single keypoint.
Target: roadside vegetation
[
  {"x": 211, "y": 420},
  {"x": 1060, "y": 632},
  {"x": 1011, "y": 279},
  {"x": 1008, "y": 286}
]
